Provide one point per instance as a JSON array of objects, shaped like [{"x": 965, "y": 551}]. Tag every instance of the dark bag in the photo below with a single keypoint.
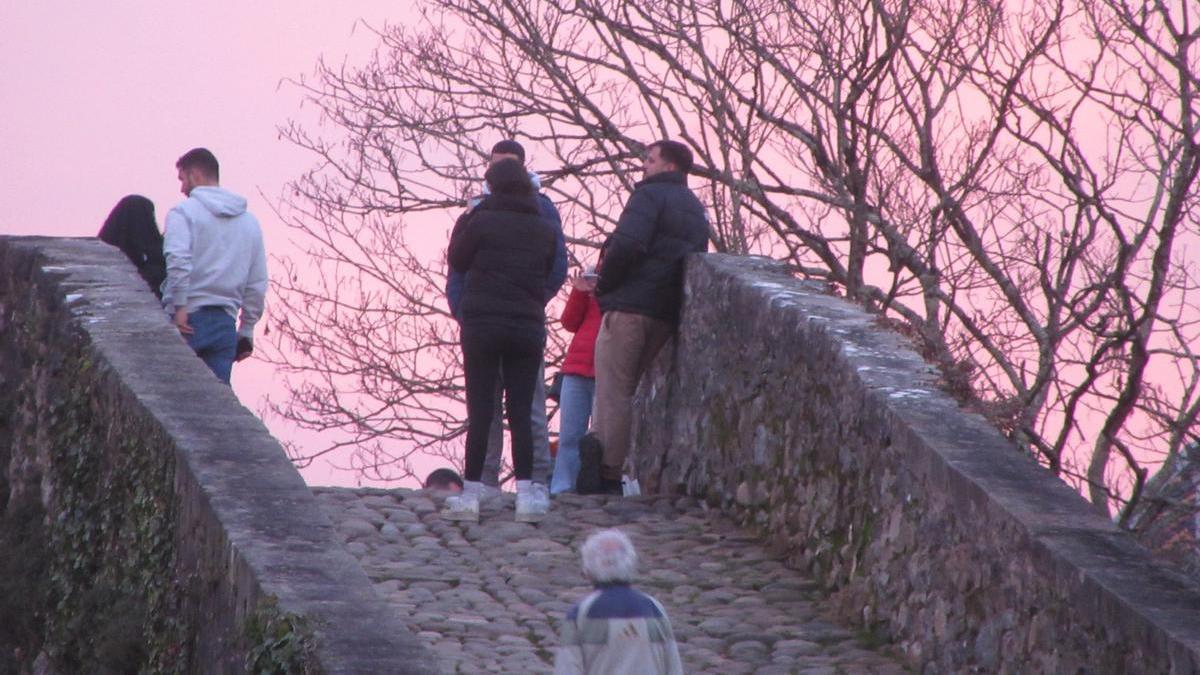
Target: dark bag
[{"x": 555, "y": 388}]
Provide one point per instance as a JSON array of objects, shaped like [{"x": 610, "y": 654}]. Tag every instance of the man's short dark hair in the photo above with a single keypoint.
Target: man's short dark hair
[
  {"x": 509, "y": 147},
  {"x": 200, "y": 158},
  {"x": 442, "y": 479},
  {"x": 674, "y": 152}
]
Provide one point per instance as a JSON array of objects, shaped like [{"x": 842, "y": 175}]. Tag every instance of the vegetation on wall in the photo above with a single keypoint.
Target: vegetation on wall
[
  {"x": 87, "y": 579},
  {"x": 115, "y": 599},
  {"x": 281, "y": 643},
  {"x": 23, "y": 587}
]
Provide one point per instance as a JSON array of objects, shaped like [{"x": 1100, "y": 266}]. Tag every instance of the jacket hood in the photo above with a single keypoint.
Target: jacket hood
[
  {"x": 533, "y": 178},
  {"x": 506, "y": 202},
  {"x": 219, "y": 201}
]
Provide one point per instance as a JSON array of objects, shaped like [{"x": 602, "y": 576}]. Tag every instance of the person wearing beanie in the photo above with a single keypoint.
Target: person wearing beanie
[
  {"x": 542, "y": 462},
  {"x": 504, "y": 251},
  {"x": 509, "y": 147}
]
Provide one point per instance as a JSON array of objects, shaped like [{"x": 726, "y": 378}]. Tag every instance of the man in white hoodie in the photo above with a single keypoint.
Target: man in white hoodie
[{"x": 216, "y": 266}]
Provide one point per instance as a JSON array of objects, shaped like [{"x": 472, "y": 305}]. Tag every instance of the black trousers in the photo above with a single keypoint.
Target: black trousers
[{"x": 485, "y": 348}]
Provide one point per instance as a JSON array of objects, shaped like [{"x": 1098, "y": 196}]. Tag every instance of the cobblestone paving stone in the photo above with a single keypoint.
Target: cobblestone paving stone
[{"x": 490, "y": 597}]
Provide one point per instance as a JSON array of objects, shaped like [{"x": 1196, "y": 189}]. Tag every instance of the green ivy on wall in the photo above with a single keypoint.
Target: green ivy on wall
[
  {"x": 281, "y": 643},
  {"x": 112, "y": 539}
]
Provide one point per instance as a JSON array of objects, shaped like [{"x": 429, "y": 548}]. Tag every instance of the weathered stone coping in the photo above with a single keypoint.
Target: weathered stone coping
[
  {"x": 792, "y": 409},
  {"x": 247, "y": 527}
]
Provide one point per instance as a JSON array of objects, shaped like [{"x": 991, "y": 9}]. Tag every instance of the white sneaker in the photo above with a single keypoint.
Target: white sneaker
[
  {"x": 630, "y": 487},
  {"x": 533, "y": 501},
  {"x": 489, "y": 492},
  {"x": 464, "y": 506}
]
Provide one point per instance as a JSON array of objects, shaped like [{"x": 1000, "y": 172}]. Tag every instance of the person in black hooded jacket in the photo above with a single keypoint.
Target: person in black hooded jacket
[
  {"x": 131, "y": 227},
  {"x": 506, "y": 251}
]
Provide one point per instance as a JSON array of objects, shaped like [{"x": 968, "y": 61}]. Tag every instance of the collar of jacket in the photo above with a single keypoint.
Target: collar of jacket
[
  {"x": 611, "y": 584},
  {"x": 677, "y": 177},
  {"x": 506, "y": 202}
]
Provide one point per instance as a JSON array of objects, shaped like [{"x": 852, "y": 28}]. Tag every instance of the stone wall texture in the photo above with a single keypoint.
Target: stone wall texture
[
  {"x": 799, "y": 414},
  {"x": 168, "y": 508}
]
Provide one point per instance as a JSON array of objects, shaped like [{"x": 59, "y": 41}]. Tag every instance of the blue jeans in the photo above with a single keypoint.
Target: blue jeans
[
  {"x": 214, "y": 339},
  {"x": 574, "y": 411}
]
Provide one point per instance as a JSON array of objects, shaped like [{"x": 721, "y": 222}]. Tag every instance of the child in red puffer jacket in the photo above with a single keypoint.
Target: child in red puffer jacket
[{"x": 581, "y": 316}]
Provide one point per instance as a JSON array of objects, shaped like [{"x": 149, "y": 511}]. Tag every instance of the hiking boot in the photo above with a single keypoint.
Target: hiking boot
[
  {"x": 591, "y": 457},
  {"x": 464, "y": 506},
  {"x": 533, "y": 501}
]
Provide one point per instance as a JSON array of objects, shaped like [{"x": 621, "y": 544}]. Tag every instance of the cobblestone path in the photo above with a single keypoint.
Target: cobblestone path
[{"x": 489, "y": 597}]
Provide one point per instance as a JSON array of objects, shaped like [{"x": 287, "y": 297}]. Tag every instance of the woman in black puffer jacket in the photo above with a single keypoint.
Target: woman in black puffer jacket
[{"x": 506, "y": 251}]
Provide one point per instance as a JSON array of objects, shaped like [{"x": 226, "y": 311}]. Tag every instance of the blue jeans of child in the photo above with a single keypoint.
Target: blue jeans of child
[
  {"x": 574, "y": 411},
  {"x": 214, "y": 339}
]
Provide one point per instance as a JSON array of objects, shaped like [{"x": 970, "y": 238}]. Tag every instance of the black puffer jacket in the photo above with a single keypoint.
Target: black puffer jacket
[
  {"x": 506, "y": 250},
  {"x": 643, "y": 266}
]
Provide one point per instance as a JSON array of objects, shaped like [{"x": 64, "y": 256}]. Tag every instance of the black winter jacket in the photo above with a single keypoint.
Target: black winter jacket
[
  {"x": 506, "y": 250},
  {"x": 643, "y": 266}
]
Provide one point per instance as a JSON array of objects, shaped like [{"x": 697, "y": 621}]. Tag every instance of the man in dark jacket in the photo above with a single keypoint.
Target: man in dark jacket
[
  {"x": 542, "y": 464},
  {"x": 640, "y": 292}
]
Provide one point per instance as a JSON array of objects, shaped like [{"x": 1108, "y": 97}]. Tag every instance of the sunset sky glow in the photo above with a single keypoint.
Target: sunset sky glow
[
  {"x": 1019, "y": 252},
  {"x": 100, "y": 99}
]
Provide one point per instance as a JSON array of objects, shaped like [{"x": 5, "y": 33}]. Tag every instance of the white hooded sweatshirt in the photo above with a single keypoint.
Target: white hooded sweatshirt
[{"x": 215, "y": 256}]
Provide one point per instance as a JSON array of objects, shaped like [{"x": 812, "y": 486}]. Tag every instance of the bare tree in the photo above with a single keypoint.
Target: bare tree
[{"x": 1014, "y": 186}]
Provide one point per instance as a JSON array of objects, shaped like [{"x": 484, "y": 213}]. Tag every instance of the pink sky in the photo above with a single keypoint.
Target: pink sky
[{"x": 98, "y": 100}]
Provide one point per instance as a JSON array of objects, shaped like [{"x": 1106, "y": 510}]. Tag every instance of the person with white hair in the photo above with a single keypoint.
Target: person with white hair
[{"x": 615, "y": 629}]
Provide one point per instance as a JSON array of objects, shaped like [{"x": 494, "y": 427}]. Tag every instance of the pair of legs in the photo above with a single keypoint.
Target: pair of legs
[
  {"x": 214, "y": 339},
  {"x": 537, "y": 418},
  {"x": 574, "y": 411},
  {"x": 488, "y": 348},
  {"x": 625, "y": 346}
]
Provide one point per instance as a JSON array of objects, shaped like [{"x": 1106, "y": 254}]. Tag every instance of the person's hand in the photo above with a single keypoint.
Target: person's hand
[
  {"x": 245, "y": 347},
  {"x": 181, "y": 321},
  {"x": 585, "y": 283}
]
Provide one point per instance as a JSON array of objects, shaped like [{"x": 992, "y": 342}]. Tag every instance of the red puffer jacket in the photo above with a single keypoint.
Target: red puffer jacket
[{"x": 581, "y": 316}]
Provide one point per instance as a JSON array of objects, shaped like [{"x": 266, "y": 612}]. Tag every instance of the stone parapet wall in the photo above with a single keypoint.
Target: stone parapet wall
[
  {"x": 795, "y": 411},
  {"x": 177, "y": 535}
]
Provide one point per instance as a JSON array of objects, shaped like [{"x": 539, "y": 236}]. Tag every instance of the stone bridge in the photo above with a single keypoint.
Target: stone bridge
[
  {"x": 815, "y": 504},
  {"x": 489, "y": 597}
]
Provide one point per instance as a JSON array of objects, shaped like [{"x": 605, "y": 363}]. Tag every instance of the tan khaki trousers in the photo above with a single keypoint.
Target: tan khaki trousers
[{"x": 625, "y": 346}]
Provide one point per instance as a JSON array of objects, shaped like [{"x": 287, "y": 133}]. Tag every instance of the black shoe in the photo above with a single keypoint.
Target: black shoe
[
  {"x": 591, "y": 457},
  {"x": 609, "y": 486}
]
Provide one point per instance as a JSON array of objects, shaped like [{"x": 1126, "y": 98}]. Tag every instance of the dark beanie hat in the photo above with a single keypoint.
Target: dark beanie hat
[
  {"x": 508, "y": 177},
  {"x": 509, "y": 147}
]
